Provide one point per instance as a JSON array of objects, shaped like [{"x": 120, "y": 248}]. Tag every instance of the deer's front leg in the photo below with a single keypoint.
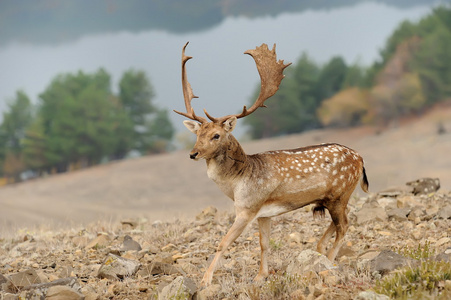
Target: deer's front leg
[
  {"x": 241, "y": 221},
  {"x": 264, "y": 225}
]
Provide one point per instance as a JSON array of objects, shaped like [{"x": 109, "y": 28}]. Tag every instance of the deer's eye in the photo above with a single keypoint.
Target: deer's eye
[{"x": 215, "y": 137}]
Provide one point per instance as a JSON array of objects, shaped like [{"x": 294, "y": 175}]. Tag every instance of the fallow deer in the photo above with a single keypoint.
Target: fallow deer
[{"x": 271, "y": 183}]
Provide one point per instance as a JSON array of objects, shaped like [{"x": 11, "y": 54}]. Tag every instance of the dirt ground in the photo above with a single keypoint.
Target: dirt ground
[{"x": 171, "y": 186}]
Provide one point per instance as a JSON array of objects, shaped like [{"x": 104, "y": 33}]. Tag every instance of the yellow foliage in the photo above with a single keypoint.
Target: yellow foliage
[{"x": 346, "y": 108}]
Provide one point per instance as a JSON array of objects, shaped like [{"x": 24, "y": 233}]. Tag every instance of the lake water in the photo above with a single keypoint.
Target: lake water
[{"x": 220, "y": 74}]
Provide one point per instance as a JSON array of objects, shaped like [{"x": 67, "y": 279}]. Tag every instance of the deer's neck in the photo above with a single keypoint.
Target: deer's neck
[{"x": 230, "y": 162}]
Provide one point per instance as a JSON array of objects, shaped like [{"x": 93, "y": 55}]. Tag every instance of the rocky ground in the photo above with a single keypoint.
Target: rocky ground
[{"x": 137, "y": 259}]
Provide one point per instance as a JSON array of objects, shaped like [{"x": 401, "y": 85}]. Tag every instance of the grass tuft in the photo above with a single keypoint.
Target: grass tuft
[{"x": 428, "y": 279}]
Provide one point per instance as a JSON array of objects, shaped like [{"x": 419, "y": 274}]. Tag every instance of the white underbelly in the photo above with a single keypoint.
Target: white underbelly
[{"x": 271, "y": 210}]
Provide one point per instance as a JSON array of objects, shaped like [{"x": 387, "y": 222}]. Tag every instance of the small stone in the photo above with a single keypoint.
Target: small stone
[
  {"x": 169, "y": 247},
  {"x": 445, "y": 212},
  {"x": 371, "y": 214},
  {"x": 408, "y": 201},
  {"x": 329, "y": 277},
  {"x": 101, "y": 241},
  {"x": 210, "y": 292},
  {"x": 370, "y": 295},
  {"x": 387, "y": 202},
  {"x": 116, "y": 267},
  {"x": 398, "y": 214},
  {"x": 443, "y": 241},
  {"x": 22, "y": 279},
  {"x": 416, "y": 213},
  {"x": 130, "y": 245},
  {"x": 62, "y": 292},
  {"x": 296, "y": 237},
  {"x": 417, "y": 234},
  {"x": 388, "y": 261},
  {"x": 180, "y": 288},
  {"x": 309, "y": 260}
]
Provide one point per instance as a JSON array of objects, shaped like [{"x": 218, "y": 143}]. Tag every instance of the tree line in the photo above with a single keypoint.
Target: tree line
[
  {"x": 80, "y": 122},
  {"x": 414, "y": 72}
]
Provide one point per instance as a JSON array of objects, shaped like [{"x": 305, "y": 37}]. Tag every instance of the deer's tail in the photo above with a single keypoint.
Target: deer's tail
[{"x": 364, "y": 182}]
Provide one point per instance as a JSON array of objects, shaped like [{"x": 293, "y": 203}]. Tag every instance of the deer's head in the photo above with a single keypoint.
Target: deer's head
[{"x": 212, "y": 137}]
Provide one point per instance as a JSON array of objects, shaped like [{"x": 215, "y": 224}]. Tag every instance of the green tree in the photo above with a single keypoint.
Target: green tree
[
  {"x": 432, "y": 62},
  {"x": 331, "y": 78},
  {"x": 356, "y": 76},
  {"x": 34, "y": 147},
  {"x": 12, "y": 130},
  {"x": 136, "y": 94},
  {"x": 82, "y": 121}
]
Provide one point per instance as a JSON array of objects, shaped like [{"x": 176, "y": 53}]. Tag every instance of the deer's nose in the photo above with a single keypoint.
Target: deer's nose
[{"x": 193, "y": 155}]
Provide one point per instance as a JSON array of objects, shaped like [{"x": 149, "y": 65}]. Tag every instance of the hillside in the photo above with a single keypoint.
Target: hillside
[{"x": 171, "y": 186}]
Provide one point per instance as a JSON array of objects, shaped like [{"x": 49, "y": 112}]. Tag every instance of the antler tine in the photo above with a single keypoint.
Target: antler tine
[
  {"x": 271, "y": 75},
  {"x": 188, "y": 94}
]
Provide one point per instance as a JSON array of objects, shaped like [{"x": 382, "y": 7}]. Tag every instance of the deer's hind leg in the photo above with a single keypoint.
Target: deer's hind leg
[
  {"x": 319, "y": 211},
  {"x": 340, "y": 222},
  {"x": 321, "y": 247},
  {"x": 339, "y": 225}
]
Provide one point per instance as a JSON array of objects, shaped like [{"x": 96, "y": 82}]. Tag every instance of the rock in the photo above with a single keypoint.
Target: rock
[
  {"x": 416, "y": 213},
  {"x": 22, "y": 279},
  {"x": 130, "y": 245},
  {"x": 101, "y": 241},
  {"x": 369, "y": 214},
  {"x": 398, "y": 214},
  {"x": 387, "y": 202},
  {"x": 408, "y": 201},
  {"x": 159, "y": 268},
  {"x": 296, "y": 237},
  {"x": 61, "y": 292},
  {"x": 445, "y": 212},
  {"x": 180, "y": 288},
  {"x": 444, "y": 256},
  {"x": 3, "y": 283},
  {"x": 370, "y": 295},
  {"x": 388, "y": 261},
  {"x": 70, "y": 285},
  {"x": 364, "y": 260},
  {"x": 424, "y": 186},
  {"x": 116, "y": 267},
  {"x": 9, "y": 296},
  {"x": 169, "y": 247},
  {"x": 210, "y": 292},
  {"x": 309, "y": 260}
]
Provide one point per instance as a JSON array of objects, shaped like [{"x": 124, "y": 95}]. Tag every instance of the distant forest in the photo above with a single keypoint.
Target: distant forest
[
  {"x": 56, "y": 21},
  {"x": 414, "y": 73}
]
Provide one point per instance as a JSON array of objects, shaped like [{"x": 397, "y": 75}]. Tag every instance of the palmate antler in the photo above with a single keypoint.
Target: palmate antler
[{"x": 271, "y": 75}]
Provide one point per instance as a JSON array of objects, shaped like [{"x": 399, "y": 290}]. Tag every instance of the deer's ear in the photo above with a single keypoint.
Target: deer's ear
[
  {"x": 192, "y": 126},
  {"x": 229, "y": 124}
]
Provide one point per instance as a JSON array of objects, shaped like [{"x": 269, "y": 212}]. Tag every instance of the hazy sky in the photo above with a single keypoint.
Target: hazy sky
[{"x": 220, "y": 74}]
